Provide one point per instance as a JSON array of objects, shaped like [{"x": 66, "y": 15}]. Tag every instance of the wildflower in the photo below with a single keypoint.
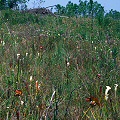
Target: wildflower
[
  {"x": 41, "y": 47},
  {"x": 37, "y": 106},
  {"x": 18, "y": 56},
  {"x": 111, "y": 52},
  {"x": 99, "y": 75},
  {"x": 38, "y": 54},
  {"x": 22, "y": 102},
  {"x": 116, "y": 85},
  {"x": 31, "y": 78},
  {"x": 106, "y": 92},
  {"x": 18, "y": 92},
  {"x": 3, "y": 43},
  {"x": 93, "y": 101},
  {"x": 26, "y": 54},
  {"x": 95, "y": 48},
  {"x": 68, "y": 64},
  {"x": 37, "y": 86}
]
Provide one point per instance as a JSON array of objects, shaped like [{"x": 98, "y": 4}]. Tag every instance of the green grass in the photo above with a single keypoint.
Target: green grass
[{"x": 64, "y": 55}]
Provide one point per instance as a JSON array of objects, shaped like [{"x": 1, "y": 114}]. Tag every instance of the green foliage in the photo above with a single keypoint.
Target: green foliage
[
  {"x": 84, "y": 8},
  {"x": 113, "y": 14},
  {"x": 60, "y": 9},
  {"x": 10, "y": 3},
  {"x": 71, "y": 9}
]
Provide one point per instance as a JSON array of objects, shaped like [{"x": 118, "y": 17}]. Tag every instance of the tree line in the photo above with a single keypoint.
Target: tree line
[{"x": 84, "y": 9}]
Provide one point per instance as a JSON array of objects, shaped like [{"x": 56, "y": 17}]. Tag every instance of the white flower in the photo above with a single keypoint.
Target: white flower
[
  {"x": 106, "y": 97},
  {"x": 37, "y": 106},
  {"x": 116, "y": 85},
  {"x": 38, "y": 54},
  {"x": 18, "y": 56},
  {"x": 111, "y": 51},
  {"x": 68, "y": 63},
  {"x": 31, "y": 78},
  {"x": 26, "y": 54},
  {"x": 39, "y": 86},
  {"x": 106, "y": 92},
  {"x": 3, "y": 43},
  {"x": 95, "y": 48},
  {"x": 22, "y": 102}
]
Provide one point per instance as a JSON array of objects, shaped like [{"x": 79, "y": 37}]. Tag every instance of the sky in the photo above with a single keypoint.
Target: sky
[{"x": 107, "y": 4}]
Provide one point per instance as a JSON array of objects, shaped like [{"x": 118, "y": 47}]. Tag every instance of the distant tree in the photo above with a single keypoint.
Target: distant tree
[
  {"x": 11, "y": 3},
  {"x": 2, "y": 4},
  {"x": 96, "y": 11},
  {"x": 82, "y": 10},
  {"x": 71, "y": 9},
  {"x": 113, "y": 14},
  {"x": 60, "y": 9},
  {"x": 91, "y": 8}
]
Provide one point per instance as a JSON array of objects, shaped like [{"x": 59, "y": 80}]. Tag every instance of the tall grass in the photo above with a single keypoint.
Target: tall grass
[{"x": 69, "y": 60}]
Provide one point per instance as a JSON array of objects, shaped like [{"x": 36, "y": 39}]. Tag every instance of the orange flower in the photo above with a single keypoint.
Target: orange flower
[
  {"x": 18, "y": 92},
  {"x": 93, "y": 101}
]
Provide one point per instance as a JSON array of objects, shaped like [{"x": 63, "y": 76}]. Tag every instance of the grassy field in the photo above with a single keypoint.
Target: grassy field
[{"x": 50, "y": 66}]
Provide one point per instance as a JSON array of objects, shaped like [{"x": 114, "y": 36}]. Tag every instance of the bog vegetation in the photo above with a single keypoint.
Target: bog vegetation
[{"x": 65, "y": 68}]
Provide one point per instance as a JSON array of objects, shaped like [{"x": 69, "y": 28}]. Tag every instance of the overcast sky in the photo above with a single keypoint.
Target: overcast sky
[{"x": 107, "y": 4}]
